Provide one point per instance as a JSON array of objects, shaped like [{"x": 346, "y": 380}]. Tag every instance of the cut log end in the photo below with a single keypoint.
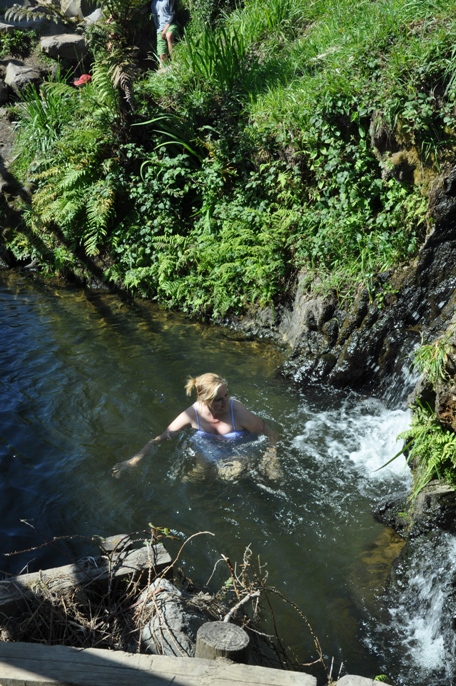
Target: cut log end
[{"x": 221, "y": 639}]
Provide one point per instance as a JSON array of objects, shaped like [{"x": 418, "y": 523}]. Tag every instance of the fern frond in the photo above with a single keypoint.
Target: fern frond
[
  {"x": 41, "y": 11},
  {"x": 122, "y": 74},
  {"x": 102, "y": 83},
  {"x": 58, "y": 88},
  {"x": 99, "y": 208},
  {"x": 72, "y": 178}
]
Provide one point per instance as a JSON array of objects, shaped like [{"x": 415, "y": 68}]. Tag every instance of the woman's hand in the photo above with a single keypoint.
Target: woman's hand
[{"x": 124, "y": 466}]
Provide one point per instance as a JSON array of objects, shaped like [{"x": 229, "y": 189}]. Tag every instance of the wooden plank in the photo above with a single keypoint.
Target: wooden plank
[
  {"x": 154, "y": 558},
  {"x": 27, "y": 664}
]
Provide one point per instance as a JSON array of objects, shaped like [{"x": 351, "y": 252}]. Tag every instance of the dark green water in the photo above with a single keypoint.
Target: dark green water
[{"x": 87, "y": 379}]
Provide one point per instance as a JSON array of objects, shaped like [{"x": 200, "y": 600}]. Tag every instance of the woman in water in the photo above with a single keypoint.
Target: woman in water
[{"x": 215, "y": 416}]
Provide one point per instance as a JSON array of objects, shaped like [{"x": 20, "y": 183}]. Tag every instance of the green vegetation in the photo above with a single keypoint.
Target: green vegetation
[
  {"x": 431, "y": 449},
  {"x": 432, "y": 360},
  {"x": 288, "y": 137},
  {"x": 17, "y": 43},
  {"x": 430, "y": 443}
]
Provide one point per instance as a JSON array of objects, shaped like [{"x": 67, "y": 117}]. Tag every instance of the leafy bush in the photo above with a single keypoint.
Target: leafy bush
[
  {"x": 251, "y": 158},
  {"x": 17, "y": 43}
]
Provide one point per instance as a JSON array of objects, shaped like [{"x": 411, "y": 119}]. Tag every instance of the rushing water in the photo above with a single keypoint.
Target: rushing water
[{"x": 87, "y": 379}]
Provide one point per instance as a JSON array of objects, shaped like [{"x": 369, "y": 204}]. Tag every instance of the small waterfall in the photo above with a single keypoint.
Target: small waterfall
[
  {"x": 415, "y": 636},
  {"x": 412, "y": 628},
  {"x": 418, "y": 625}
]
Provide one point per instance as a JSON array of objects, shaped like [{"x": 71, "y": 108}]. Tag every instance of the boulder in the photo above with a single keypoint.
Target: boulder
[
  {"x": 7, "y": 4},
  {"x": 39, "y": 19},
  {"x": 433, "y": 509},
  {"x": 76, "y": 8},
  {"x": 72, "y": 8},
  {"x": 19, "y": 76},
  {"x": 68, "y": 46},
  {"x": 93, "y": 17}
]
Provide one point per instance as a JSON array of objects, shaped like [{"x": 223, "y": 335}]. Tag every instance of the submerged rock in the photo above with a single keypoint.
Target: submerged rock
[{"x": 434, "y": 508}]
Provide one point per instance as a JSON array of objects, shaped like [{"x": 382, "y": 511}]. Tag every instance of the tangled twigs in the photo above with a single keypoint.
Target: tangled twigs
[
  {"x": 112, "y": 612},
  {"x": 243, "y": 601},
  {"x": 55, "y": 539},
  {"x": 248, "y": 585},
  {"x": 309, "y": 626}
]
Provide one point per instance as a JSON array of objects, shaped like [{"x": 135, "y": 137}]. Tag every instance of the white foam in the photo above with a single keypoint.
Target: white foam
[
  {"x": 378, "y": 443},
  {"x": 366, "y": 434}
]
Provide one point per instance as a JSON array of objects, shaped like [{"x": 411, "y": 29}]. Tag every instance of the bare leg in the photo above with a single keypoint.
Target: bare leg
[
  {"x": 270, "y": 465},
  {"x": 170, "y": 41}
]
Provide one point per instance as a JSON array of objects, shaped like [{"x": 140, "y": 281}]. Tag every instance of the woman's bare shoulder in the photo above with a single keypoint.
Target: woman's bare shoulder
[{"x": 185, "y": 418}]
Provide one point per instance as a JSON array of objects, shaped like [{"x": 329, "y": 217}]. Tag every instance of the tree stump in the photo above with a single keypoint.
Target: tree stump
[{"x": 222, "y": 639}]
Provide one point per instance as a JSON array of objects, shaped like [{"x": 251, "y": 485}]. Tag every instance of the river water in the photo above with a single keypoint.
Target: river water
[{"x": 87, "y": 379}]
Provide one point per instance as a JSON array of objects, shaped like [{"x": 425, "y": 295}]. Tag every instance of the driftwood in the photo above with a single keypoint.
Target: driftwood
[{"x": 118, "y": 561}]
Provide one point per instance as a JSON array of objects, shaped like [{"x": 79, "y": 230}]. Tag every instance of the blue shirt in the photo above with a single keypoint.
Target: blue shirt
[{"x": 163, "y": 13}]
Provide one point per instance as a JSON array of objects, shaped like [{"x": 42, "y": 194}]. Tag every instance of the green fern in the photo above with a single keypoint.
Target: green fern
[
  {"x": 431, "y": 447},
  {"x": 40, "y": 11}
]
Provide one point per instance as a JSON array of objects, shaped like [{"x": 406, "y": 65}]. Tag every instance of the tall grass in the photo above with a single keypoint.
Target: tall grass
[
  {"x": 41, "y": 117},
  {"x": 217, "y": 57}
]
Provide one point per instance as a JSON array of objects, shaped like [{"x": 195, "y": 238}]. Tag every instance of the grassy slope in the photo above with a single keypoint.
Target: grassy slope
[{"x": 254, "y": 161}]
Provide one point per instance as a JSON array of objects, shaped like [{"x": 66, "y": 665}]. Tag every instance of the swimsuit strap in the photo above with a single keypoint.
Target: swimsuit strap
[
  {"x": 232, "y": 414},
  {"x": 232, "y": 418},
  {"x": 197, "y": 417}
]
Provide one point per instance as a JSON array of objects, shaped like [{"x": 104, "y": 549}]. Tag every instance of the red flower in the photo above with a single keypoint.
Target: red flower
[{"x": 84, "y": 78}]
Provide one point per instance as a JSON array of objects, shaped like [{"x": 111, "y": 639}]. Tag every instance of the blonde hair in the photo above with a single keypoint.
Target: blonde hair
[{"x": 206, "y": 386}]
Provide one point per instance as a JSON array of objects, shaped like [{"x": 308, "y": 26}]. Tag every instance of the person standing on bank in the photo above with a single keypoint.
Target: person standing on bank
[
  {"x": 214, "y": 416},
  {"x": 163, "y": 12}
]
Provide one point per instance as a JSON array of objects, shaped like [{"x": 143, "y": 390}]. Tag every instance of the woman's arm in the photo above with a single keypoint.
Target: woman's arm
[
  {"x": 250, "y": 421},
  {"x": 269, "y": 464},
  {"x": 184, "y": 419}
]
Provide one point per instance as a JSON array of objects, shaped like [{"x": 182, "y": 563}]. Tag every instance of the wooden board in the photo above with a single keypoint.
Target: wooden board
[
  {"x": 27, "y": 664},
  {"x": 125, "y": 562}
]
